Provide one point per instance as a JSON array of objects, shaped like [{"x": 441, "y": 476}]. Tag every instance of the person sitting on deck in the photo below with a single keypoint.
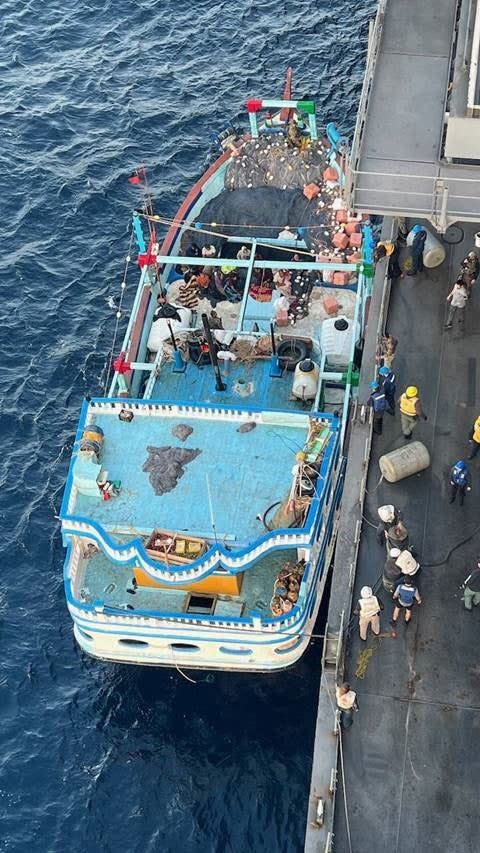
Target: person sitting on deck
[
  {"x": 188, "y": 291},
  {"x": 244, "y": 253},
  {"x": 387, "y": 249}
]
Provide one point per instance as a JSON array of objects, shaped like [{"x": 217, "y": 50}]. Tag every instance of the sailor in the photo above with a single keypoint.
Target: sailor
[
  {"x": 470, "y": 270},
  {"x": 417, "y": 249},
  {"x": 244, "y": 253},
  {"x": 347, "y": 703},
  {"x": 397, "y": 536},
  {"x": 388, "y": 515},
  {"x": 378, "y": 403},
  {"x": 387, "y": 249},
  {"x": 459, "y": 481},
  {"x": 406, "y": 594},
  {"x": 392, "y": 573},
  {"x": 471, "y": 589},
  {"x": 410, "y": 411},
  {"x": 389, "y": 386},
  {"x": 369, "y": 607},
  {"x": 475, "y": 438},
  {"x": 458, "y": 298}
]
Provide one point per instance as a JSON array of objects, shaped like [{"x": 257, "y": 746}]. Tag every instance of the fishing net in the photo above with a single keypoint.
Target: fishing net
[{"x": 165, "y": 465}]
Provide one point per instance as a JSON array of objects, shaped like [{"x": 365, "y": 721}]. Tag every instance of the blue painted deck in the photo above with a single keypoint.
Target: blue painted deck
[
  {"x": 104, "y": 581},
  {"x": 247, "y": 473},
  {"x": 198, "y": 385}
]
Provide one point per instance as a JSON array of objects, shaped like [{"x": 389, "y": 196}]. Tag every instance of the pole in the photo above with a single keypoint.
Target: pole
[
  {"x": 179, "y": 365},
  {"x": 276, "y": 371},
  {"x": 219, "y": 385}
]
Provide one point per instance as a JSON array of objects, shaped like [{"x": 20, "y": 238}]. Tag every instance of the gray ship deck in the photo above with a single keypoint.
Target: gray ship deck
[
  {"x": 411, "y": 767},
  {"x": 397, "y": 166}
]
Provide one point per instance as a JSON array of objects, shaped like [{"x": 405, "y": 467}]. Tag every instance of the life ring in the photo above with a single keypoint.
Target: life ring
[{"x": 291, "y": 352}]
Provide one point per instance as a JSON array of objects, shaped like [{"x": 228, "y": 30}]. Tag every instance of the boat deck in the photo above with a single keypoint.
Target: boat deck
[
  {"x": 411, "y": 767},
  {"x": 238, "y": 492},
  {"x": 104, "y": 581},
  {"x": 248, "y": 382}
]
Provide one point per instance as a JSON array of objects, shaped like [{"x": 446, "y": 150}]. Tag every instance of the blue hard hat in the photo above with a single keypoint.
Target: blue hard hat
[
  {"x": 374, "y": 386},
  {"x": 416, "y": 229},
  {"x": 384, "y": 371},
  {"x": 460, "y": 464}
]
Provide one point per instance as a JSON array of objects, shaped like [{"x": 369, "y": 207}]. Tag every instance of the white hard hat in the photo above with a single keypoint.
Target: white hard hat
[
  {"x": 395, "y": 552},
  {"x": 386, "y": 513},
  {"x": 366, "y": 592},
  {"x": 407, "y": 563}
]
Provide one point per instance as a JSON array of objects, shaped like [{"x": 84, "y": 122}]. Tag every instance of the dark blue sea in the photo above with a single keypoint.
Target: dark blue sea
[{"x": 98, "y": 758}]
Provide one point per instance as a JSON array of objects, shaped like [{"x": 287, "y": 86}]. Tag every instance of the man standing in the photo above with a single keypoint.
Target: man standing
[
  {"x": 418, "y": 246},
  {"x": 470, "y": 270},
  {"x": 389, "y": 387},
  {"x": 378, "y": 403},
  {"x": 458, "y": 298},
  {"x": 459, "y": 481},
  {"x": 347, "y": 703},
  {"x": 369, "y": 608},
  {"x": 471, "y": 589},
  {"x": 410, "y": 410},
  {"x": 475, "y": 438},
  {"x": 406, "y": 594},
  {"x": 388, "y": 515}
]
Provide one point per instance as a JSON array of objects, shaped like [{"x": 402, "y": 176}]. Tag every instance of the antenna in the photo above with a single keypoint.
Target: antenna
[{"x": 210, "y": 504}]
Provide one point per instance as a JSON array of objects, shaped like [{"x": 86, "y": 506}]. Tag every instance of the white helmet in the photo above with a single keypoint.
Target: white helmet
[
  {"x": 407, "y": 563},
  {"x": 366, "y": 592},
  {"x": 395, "y": 552},
  {"x": 386, "y": 513}
]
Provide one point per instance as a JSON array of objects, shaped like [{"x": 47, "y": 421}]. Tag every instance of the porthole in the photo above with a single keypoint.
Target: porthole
[
  {"x": 130, "y": 642},
  {"x": 290, "y": 646},
  {"x": 184, "y": 647},
  {"x": 226, "y": 651},
  {"x": 85, "y": 635}
]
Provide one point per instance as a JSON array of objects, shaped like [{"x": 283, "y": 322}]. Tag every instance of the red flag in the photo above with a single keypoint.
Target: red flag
[{"x": 134, "y": 179}]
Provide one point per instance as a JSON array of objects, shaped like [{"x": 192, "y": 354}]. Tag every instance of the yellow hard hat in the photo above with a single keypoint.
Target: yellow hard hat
[{"x": 411, "y": 391}]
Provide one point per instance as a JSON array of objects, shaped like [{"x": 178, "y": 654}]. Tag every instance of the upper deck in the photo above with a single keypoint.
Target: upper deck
[{"x": 216, "y": 484}]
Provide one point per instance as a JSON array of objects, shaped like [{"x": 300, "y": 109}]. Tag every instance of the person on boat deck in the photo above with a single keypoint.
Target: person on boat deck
[
  {"x": 397, "y": 537},
  {"x": 471, "y": 589},
  {"x": 475, "y": 439},
  {"x": 459, "y": 481},
  {"x": 389, "y": 386},
  {"x": 378, "y": 404},
  {"x": 193, "y": 250},
  {"x": 388, "y": 515},
  {"x": 406, "y": 594},
  {"x": 418, "y": 247},
  {"x": 389, "y": 347},
  {"x": 244, "y": 253},
  {"x": 209, "y": 251},
  {"x": 188, "y": 291},
  {"x": 387, "y": 249},
  {"x": 294, "y": 136},
  {"x": 368, "y": 610},
  {"x": 347, "y": 703},
  {"x": 470, "y": 270},
  {"x": 458, "y": 298},
  {"x": 410, "y": 411}
]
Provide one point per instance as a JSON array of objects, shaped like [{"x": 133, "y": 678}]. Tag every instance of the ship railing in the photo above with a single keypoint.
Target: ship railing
[
  {"x": 375, "y": 36},
  {"x": 441, "y": 199}
]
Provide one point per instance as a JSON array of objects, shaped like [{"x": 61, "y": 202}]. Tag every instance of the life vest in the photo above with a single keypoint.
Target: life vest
[
  {"x": 459, "y": 476},
  {"x": 408, "y": 404},
  {"x": 476, "y": 431},
  {"x": 406, "y": 595},
  {"x": 369, "y": 606},
  {"x": 378, "y": 401}
]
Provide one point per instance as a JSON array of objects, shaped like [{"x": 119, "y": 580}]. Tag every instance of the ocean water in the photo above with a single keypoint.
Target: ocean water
[{"x": 97, "y": 757}]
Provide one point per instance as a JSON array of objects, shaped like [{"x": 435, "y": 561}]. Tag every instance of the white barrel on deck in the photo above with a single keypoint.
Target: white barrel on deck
[
  {"x": 336, "y": 340},
  {"x": 433, "y": 253},
  {"x": 405, "y": 461}
]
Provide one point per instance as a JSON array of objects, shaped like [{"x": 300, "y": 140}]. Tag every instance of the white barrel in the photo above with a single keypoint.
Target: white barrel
[
  {"x": 336, "y": 340},
  {"x": 305, "y": 380},
  {"x": 405, "y": 461},
  {"x": 433, "y": 253}
]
